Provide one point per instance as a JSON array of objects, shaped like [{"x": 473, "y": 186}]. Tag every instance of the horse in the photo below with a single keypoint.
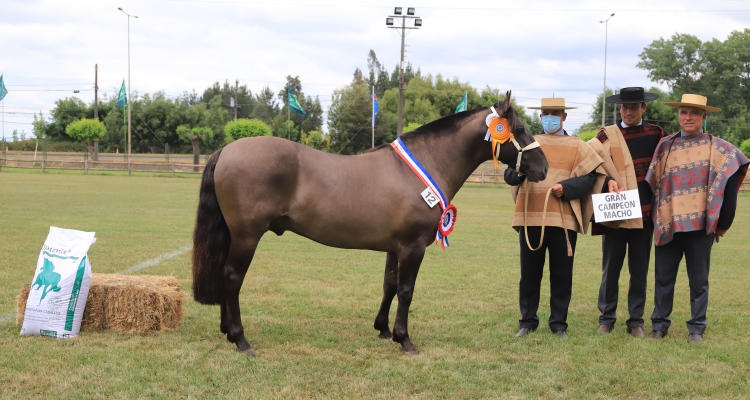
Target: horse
[{"x": 367, "y": 201}]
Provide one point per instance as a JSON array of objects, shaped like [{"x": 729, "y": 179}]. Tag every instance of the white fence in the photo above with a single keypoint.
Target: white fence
[{"x": 87, "y": 165}]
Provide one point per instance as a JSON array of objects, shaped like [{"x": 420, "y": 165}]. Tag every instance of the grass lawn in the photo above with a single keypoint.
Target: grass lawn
[{"x": 308, "y": 312}]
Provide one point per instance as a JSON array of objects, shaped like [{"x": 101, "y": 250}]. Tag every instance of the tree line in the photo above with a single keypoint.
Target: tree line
[{"x": 719, "y": 70}]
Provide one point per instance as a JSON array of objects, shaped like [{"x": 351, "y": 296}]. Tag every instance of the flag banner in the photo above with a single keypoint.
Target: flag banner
[
  {"x": 462, "y": 104},
  {"x": 3, "y": 90},
  {"x": 374, "y": 107},
  {"x": 122, "y": 98},
  {"x": 294, "y": 104}
]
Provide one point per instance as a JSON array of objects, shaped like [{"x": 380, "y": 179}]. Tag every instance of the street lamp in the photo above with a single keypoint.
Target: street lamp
[
  {"x": 398, "y": 13},
  {"x": 129, "y": 16},
  {"x": 604, "y": 90}
]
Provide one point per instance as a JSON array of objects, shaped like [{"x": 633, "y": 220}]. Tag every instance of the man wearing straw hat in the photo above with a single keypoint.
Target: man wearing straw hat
[
  {"x": 695, "y": 178},
  {"x": 626, "y": 148},
  {"x": 552, "y": 224}
]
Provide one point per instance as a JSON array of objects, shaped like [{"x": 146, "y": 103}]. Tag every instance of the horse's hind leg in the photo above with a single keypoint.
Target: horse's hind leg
[
  {"x": 240, "y": 255},
  {"x": 390, "y": 281},
  {"x": 409, "y": 261}
]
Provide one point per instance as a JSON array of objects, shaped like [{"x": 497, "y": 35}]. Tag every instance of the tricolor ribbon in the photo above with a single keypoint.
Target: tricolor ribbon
[{"x": 448, "y": 219}]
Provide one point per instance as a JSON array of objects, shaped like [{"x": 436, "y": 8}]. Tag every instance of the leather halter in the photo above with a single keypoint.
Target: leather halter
[{"x": 533, "y": 145}]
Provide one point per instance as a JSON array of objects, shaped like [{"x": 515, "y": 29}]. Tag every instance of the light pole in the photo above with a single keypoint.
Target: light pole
[
  {"x": 604, "y": 90},
  {"x": 129, "y": 16},
  {"x": 398, "y": 13}
]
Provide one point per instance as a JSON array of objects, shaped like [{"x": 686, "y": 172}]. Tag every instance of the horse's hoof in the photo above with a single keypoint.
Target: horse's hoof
[
  {"x": 385, "y": 335},
  {"x": 249, "y": 352},
  {"x": 409, "y": 348}
]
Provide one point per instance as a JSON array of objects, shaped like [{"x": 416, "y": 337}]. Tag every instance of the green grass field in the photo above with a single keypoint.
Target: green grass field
[{"x": 308, "y": 311}]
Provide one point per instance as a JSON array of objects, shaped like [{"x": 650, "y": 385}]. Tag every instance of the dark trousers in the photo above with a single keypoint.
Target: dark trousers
[
  {"x": 637, "y": 244},
  {"x": 696, "y": 246},
  {"x": 560, "y": 276}
]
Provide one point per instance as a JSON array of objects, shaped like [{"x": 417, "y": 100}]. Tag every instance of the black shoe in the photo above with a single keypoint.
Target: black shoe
[
  {"x": 561, "y": 334},
  {"x": 695, "y": 338},
  {"x": 524, "y": 332},
  {"x": 657, "y": 334}
]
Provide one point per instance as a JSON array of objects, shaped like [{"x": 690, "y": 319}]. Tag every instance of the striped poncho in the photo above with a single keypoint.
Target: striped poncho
[
  {"x": 568, "y": 157},
  {"x": 688, "y": 176}
]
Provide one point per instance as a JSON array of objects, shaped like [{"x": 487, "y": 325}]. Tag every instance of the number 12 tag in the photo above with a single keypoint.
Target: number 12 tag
[{"x": 430, "y": 197}]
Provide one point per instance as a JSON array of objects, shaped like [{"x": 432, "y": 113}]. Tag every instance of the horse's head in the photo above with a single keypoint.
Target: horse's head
[{"x": 524, "y": 150}]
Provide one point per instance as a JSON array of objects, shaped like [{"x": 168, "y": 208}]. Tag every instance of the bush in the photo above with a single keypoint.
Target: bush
[
  {"x": 86, "y": 130},
  {"x": 243, "y": 127},
  {"x": 317, "y": 140},
  {"x": 745, "y": 147},
  {"x": 587, "y": 134}
]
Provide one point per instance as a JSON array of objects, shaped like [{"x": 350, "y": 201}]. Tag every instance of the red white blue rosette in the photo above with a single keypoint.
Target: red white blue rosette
[{"x": 447, "y": 223}]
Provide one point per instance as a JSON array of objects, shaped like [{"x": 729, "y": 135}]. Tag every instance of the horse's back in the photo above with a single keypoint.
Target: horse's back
[{"x": 341, "y": 201}]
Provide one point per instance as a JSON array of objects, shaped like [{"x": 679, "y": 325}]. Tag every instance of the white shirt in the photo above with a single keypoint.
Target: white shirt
[{"x": 624, "y": 125}]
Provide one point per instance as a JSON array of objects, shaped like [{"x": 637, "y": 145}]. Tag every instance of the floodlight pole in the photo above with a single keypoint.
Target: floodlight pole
[
  {"x": 604, "y": 90},
  {"x": 129, "y": 16},
  {"x": 403, "y": 28}
]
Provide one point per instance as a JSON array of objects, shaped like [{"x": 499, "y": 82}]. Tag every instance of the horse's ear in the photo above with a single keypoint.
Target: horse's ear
[{"x": 505, "y": 105}]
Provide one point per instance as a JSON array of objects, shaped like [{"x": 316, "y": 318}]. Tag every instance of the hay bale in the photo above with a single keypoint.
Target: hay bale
[{"x": 125, "y": 303}]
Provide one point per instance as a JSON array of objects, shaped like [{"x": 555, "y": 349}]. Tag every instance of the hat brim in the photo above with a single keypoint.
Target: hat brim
[
  {"x": 646, "y": 98},
  {"x": 551, "y": 108},
  {"x": 701, "y": 106}
]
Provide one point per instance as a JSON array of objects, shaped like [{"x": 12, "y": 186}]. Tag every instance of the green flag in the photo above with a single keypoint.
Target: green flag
[
  {"x": 3, "y": 90},
  {"x": 122, "y": 98},
  {"x": 462, "y": 104},
  {"x": 294, "y": 104}
]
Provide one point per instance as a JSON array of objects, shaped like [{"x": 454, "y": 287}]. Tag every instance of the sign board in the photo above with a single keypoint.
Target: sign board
[{"x": 616, "y": 206}]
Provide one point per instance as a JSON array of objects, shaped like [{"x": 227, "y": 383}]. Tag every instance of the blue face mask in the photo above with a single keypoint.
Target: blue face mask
[{"x": 551, "y": 123}]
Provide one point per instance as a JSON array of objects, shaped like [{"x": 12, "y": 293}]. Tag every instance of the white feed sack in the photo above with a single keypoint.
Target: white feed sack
[{"x": 60, "y": 286}]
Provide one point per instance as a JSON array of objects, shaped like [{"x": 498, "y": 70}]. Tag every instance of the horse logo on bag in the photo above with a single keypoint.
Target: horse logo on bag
[{"x": 47, "y": 280}]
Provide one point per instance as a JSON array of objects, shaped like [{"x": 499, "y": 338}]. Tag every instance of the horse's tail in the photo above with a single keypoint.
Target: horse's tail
[{"x": 211, "y": 240}]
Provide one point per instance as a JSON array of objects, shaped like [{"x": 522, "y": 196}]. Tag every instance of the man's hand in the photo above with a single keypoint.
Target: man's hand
[
  {"x": 720, "y": 233},
  {"x": 613, "y": 187},
  {"x": 557, "y": 190}
]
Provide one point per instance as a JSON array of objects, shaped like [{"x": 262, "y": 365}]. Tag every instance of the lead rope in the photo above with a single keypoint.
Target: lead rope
[{"x": 544, "y": 217}]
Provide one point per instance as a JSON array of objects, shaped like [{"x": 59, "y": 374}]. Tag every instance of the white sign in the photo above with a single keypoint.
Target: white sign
[
  {"x": 616, "y": 206},
  {"x": 430, "y": 197}
]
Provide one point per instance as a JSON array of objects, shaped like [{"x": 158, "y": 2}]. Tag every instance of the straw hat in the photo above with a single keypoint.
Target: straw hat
[
  {"x": 693, "y": 100},
  {"x": 552, "y": 103}
]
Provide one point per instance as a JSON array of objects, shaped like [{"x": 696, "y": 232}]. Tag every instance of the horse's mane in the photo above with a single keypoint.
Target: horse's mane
[{"x": 440, "y": 127}]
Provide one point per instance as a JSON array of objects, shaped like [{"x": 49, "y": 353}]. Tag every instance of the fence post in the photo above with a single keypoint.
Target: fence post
[
  {"x": 43, "y": 162},
  {"x": 86, "y": 167},
  {"x": 1, "y": 164},
  {"x": 482, "y": 179},
  {"x": 128, "y": 167},
  {"x": 173, "y": 169}
]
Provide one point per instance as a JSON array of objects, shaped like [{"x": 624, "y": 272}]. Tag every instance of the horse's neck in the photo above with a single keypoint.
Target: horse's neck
[{"x": 451, "y": 159}]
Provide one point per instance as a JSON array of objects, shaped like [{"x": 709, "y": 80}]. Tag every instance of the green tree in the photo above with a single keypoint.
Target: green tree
[
  {"x": 195, "y": 136},
  {"x": 266, "y": 108},
  {"x": 65, "y": 112},
  {"x": 244, "y": 98},
  {"x": 350, "y": 119},
  {"x": 243, "y": 128},
  {"x": 745, "y": 147},
  {"x": 86, "y": 130},
  {"x": 676, "y": 62},
  {"x": 317, "y": 140}
]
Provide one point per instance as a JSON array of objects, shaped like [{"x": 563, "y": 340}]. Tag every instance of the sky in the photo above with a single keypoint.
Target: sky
[{"x": 534, "y": 48}]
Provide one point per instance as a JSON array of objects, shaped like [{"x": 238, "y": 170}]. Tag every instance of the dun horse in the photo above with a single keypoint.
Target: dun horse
[{"x": 368, "y": 201}]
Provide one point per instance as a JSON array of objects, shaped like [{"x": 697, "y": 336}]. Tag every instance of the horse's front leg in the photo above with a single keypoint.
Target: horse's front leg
[
  {"x": 238, "y": 261},
  {"x": 409, "y": 261},
  {"x": 390, "y": 281}
]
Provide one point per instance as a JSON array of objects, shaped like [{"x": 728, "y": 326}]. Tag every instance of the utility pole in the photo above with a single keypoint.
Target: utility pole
[
  {"x": 604, "y": 89},
  {"x": 417, "y": 24},
  {"x": 236, "y": 97},
  {"x": 96, "y": 108},
  {"x": 373, "y": 116}
]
